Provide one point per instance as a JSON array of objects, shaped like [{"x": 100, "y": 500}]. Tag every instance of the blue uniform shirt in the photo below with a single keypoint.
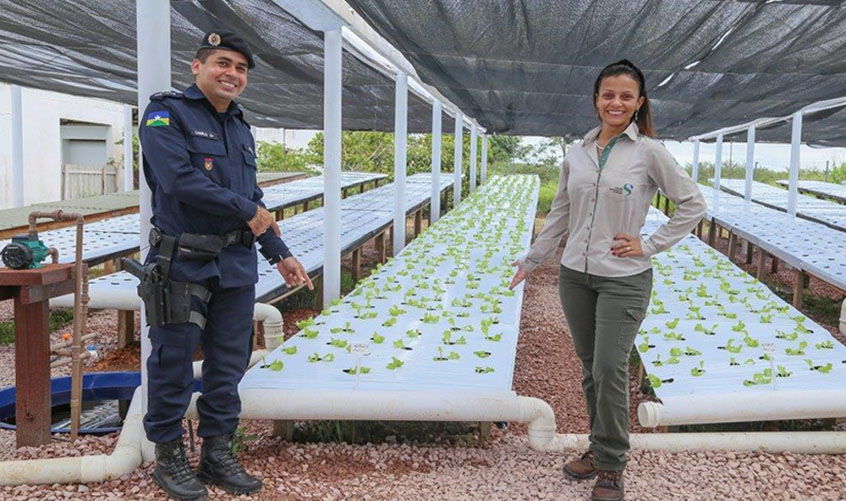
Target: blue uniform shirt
[{"x": 201, "y": 167}]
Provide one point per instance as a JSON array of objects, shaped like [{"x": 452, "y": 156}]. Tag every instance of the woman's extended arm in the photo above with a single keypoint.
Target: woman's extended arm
[
  {"x": 665, "y": 172},
  {"x": 556, "y": 225}
]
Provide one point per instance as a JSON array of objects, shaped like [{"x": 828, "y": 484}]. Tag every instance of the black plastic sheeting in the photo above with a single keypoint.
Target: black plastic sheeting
[
  {"x": 88, "y": 48},
  {"x": 527, "y": 67}
]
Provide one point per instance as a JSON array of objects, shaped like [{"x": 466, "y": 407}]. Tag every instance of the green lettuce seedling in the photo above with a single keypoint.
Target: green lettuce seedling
[
  {"x": 731, "y": 347},
  {"x": 377, "y": 338},
  {"x": 788, "y": 336},
  {"x": 290, "y": 350},
  {"x": 797, "y": 351},
  {"x": 484, "y": 370},
  {"x": 338, "y": 343},
  {"x": 361, "y": 370},
  {"x": 276, "y": 365},
  {"x": 750, "y": 341},
  {"x": 672, "y": 336},
  {"x": 395, "y": 363},
  {"x": 825, "y": 369},
  {"x": 389, "y": 322},
  {"x": 825, "y": 345},
  {"x": 739, "y": 326},
  {"x": 672, "y": 323},
  {"x": 698, "y": 371},
  {"x": 482, "y": 354},
  {"x": 691, "y": 352}
]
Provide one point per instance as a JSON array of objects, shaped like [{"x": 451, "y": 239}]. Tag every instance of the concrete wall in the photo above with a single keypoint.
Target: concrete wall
[{"x": 42, "y": 145}]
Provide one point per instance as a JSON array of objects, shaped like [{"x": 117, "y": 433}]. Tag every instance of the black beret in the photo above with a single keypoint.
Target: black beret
[{"x": 228, "y": 41}]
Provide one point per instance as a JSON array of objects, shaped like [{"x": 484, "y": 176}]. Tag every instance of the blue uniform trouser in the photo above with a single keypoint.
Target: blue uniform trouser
[{"x": 226, "y": 343}]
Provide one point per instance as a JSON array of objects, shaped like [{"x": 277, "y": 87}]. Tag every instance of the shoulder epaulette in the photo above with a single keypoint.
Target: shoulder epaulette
[{"x": 173, "y": 94}]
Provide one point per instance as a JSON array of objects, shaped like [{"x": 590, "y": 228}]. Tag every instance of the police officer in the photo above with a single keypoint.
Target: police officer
[{"x": 200, "y": 163}]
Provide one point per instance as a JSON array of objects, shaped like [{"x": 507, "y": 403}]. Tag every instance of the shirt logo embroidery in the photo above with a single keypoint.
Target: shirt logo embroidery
[
  {"x": 628, "y": 188},
  {"x": 158, "y": 119},
  {"x": 208, "y": 163}
]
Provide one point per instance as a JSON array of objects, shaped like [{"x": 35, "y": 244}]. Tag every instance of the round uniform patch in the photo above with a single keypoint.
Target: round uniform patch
[
  {"x": 208, "y": 163},
  {"x": 214, "y": 39}
]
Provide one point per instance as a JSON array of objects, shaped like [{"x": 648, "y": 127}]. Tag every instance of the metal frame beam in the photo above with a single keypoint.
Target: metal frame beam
[{"x": 152, "y": 19}]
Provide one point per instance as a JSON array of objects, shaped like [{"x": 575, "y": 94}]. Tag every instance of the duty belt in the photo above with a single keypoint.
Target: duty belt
[{"x": 208, "y": 243}]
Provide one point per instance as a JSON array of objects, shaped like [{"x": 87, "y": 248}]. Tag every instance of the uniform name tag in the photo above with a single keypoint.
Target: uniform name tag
[{"x": 204, "y": 134}]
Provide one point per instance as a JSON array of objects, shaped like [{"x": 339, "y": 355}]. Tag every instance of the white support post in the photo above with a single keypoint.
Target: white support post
[
  {"x": 484, "y": 157},
  {"x": 128, "y": 182},
  {"x": 153, "y": 20},
  {"x": 333, "y": 43},
  {"x": 17, "y": 146},
  {"x": 750, "y": 163},
  {"x": 795, "y": 143},
  {"x": 457, "y": 168},
  {"x": 400, "y": 145},
  {"x": 718, "y": 162},
  {"x": 695, "y": 172},
  {"x": 435, "y": 205},
  {"x": 474, "y": 137}
]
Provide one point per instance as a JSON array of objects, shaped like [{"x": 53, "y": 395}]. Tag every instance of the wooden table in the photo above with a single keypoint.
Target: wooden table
[{"x": 31, "y": 290}]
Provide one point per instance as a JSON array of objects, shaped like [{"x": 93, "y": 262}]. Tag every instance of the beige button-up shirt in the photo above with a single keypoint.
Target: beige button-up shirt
[{"x": 594, "y": 205}]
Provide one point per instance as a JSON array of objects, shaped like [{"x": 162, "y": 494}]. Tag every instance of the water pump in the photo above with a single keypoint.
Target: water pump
[{"x": 25, "y": 251}]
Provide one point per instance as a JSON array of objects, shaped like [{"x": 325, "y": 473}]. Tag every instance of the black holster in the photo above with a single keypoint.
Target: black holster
[{"x": 166, "y": 301}]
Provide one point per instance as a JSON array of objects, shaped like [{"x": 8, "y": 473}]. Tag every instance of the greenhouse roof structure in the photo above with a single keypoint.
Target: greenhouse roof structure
[{"x": 522, "y": 68}]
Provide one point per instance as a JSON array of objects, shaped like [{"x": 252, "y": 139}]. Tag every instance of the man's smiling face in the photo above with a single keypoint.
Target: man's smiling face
[{"x": 222, "y": 77}]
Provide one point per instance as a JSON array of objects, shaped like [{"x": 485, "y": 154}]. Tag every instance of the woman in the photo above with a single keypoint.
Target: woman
[{"x": 606, "y": 186}]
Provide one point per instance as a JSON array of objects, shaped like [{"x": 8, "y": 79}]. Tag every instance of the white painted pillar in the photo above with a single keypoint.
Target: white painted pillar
[
  {"x": 153, "y": 21},
  {"x": 718, "y": 162},
  {"x": 795, "y": 143},
  {"x": 400, "y": 146},
  {"x": 750, "y": 163},
  {"x": 128, "y": 184},
  {"x": 695, "y": 172},
  {"x": 459, "y": 146},
  {"x": 474, "y": 138},
  {"x": 435, "y": 204},
  {"x": 17, "y": 146},
  {"x": 332, "y": 165},
  {"x": 484, "y": 157}
]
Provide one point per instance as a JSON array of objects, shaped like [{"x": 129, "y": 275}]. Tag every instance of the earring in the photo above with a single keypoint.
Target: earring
[{"x": 636, "y": 112}]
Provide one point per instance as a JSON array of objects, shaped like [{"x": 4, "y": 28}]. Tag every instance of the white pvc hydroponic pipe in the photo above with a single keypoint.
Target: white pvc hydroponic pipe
[
  {"x": 126, "y": 457},
  {"x": 430, "y": 406},
  {"x": 128, "y": 300},
  {"x": 773, "y": 442},
  {"x": 743, "y": 407},
  {"x": 843, "y": 318},
  {"x": 131, "y": 449}
]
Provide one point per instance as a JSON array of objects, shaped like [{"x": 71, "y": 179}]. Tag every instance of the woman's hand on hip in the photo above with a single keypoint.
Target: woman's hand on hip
[
  {"x": 627, "y": 246},
  {"x": 519, "y": 275}
]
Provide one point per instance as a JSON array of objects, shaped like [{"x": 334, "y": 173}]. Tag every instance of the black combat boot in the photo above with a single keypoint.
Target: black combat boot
[
  {"x": 174, "y": 474},
  {"x": 219, "y": 466}
]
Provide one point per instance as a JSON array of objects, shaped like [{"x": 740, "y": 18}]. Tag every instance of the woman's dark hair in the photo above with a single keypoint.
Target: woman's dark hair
[{"x": 626, "y": 67}]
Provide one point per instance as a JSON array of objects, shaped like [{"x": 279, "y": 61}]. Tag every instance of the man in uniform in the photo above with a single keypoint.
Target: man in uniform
[{"x": 200, "y": 163}]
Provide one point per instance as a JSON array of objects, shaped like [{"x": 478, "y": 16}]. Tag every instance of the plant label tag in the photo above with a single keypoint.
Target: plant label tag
[
  {"x": 360, "y": 349},
  {"x": 769, "y": 350}
]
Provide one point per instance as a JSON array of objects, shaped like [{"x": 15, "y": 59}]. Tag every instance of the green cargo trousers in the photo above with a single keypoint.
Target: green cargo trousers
[{"x": 604, "y": 315}]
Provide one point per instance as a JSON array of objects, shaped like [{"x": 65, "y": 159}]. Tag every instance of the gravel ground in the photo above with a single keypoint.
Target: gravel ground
[{"x": 502, "y": 469}]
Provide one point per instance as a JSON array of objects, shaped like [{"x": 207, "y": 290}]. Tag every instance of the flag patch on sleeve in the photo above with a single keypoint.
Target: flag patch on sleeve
[{"x": 158, "y": 119}]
